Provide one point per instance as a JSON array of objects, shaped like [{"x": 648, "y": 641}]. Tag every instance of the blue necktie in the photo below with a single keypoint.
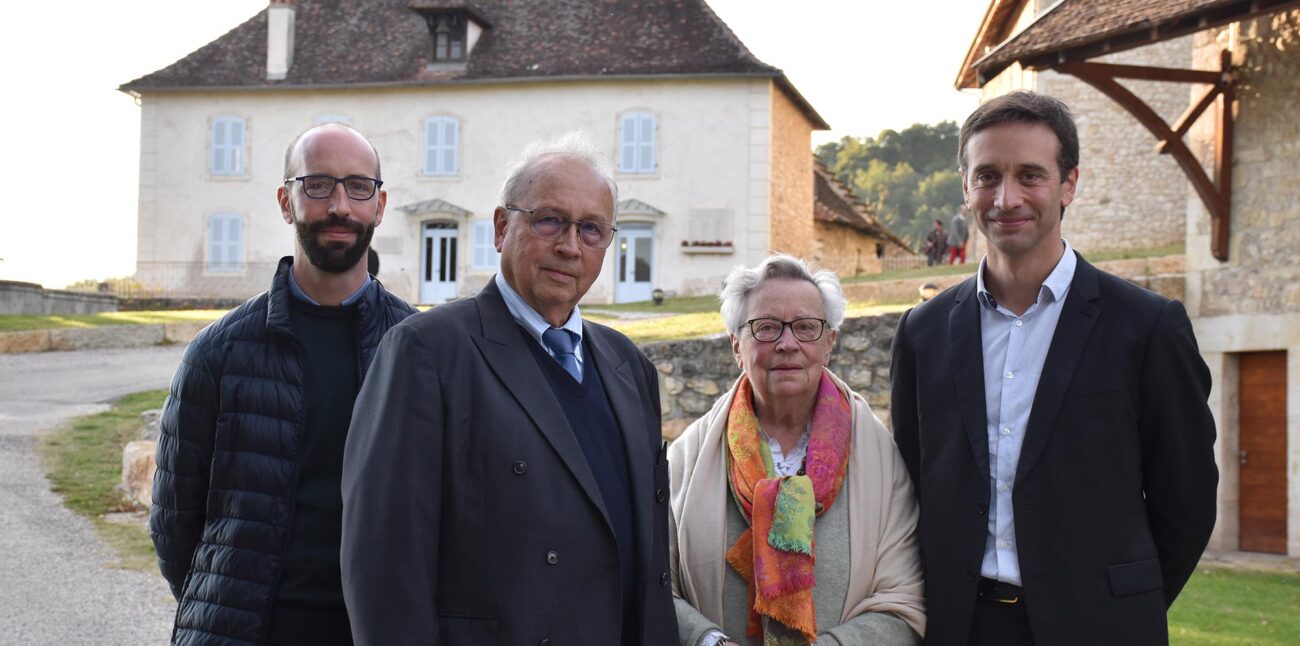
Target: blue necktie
[{"x": 561, "y": 344}]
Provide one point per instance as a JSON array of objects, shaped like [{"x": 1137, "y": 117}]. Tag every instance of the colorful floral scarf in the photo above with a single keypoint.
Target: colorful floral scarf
[{"x": 775, "y": 555}]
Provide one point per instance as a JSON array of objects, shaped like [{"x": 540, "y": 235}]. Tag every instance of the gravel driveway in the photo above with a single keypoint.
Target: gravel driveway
[{"x": 55, "y": 583}]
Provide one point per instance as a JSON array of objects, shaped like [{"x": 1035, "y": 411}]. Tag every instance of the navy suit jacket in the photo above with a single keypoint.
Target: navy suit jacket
[
  {"x": 1114, "y": 496},
  {"x": 470, "y": 515}
]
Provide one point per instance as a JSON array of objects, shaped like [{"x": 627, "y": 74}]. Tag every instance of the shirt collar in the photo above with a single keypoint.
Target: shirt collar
[
  {"x": 297, "y": 292},
  {"x": 526, "y": 316},
  {"x": 1054, "y": 287}
]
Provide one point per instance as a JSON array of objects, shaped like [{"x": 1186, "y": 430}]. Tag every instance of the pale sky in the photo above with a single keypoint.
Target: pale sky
[{"x": 865, "y": 65}]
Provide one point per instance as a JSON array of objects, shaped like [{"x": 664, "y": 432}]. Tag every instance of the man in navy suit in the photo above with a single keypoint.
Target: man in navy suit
[
  {"x": 1053, "y": 417},
  {"x": 504, "y": 481}
]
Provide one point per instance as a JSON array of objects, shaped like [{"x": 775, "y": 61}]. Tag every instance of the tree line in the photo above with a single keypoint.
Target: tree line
[{"x": 910, "y": 177}]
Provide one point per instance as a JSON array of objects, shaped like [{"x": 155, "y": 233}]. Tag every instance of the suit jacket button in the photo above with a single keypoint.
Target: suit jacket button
[
  {"x": 982, "y": 508},
  {"x": 545, "y": 642},
  {"x": 519, "y": 467},
  {"x": 552, "y": 557},
  {"x": 664, "y": 580},
  {"x": 660, "y": 496}
]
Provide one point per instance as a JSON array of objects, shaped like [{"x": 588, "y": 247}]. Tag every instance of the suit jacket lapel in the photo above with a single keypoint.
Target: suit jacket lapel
[
  {"x": 1078, "y": 315},
  {"x": 620, "y": 387},
  {"x": 968, "y": 371},
  {"x": 503, "y": 348}
]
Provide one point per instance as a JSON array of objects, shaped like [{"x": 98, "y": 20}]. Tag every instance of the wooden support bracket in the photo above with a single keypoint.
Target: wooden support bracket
[{"x": 1215, "y": 193}]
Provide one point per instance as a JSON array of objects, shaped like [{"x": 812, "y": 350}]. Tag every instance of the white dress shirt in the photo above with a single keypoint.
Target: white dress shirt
[
  {"x": 530, "y": 320},
  {"x": 1015, "y": 348}
]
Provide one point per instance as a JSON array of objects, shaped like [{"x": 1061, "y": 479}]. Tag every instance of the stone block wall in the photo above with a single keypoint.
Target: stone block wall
[
  {"x": 845, "y": 250},
  {"x": 694, "y": 372},
  {"x": 30, "y": 298},
  {"x": 791, "y": 203},
  {"x": 1262, "y": 274}
]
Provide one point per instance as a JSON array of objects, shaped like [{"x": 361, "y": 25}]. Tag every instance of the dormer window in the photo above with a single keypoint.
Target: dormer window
[
  {"x": 454, "y": 29},
  {"x": 448, "y": 30}
]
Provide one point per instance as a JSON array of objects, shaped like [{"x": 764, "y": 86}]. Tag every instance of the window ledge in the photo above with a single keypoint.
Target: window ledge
[{"x": 708, "y": 249}]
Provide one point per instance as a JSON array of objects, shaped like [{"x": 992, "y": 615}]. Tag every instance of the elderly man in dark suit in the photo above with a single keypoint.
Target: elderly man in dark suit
[
  {"x": 504, "y": 481},
  {"x": 1068, "y": 491}
]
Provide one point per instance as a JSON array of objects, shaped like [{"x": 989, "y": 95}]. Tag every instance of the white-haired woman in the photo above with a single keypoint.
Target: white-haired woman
[{"x": 793, "y": 519}]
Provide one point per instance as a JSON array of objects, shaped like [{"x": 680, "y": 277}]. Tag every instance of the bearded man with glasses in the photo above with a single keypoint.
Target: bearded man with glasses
[
  {"x": 504, "y": 481},
  {"x": 246, "y": 508}
]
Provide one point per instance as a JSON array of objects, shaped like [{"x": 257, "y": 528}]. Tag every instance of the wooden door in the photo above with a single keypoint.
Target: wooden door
[{"x": 1262, "y": 493}]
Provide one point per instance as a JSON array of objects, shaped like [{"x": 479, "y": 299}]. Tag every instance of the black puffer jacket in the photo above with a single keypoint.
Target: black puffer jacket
[{"x": 224, "y": 492}]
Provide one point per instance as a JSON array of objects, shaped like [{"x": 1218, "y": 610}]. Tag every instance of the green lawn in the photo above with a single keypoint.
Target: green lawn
[
  {"x": 18, "y": 322},
  {"x": 968, "y": 268},
  {"x": 1222, "y": 607},
  {"x": 83, "y": 461}
]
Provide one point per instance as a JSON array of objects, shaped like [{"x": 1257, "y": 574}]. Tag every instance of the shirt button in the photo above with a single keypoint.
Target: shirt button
[
  {"x": 1011, "y": 375},
  {"x": 1002, "y": 545},
  {"x": 552, "y": 557},
  {"x": 1020, "y": 323},
  {"x": 1006, "y": 430}
]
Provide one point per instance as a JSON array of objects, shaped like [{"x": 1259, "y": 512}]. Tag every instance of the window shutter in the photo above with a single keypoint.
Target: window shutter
[
  {"x": 218, "y": 146},
  {"x": 450, "y": 137},
  {"x": 236, "y": 146},
  {"x": 627, "y": 146},
  {"x": 646, "y": 162},
  {"x": 431, "y": 146}
]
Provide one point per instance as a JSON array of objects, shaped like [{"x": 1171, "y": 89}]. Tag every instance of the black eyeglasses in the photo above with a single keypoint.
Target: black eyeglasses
[
  {"x": 319, "y": 187},
  {"x": 550, "y": 224},
  {"x": 768, "y": 330}
]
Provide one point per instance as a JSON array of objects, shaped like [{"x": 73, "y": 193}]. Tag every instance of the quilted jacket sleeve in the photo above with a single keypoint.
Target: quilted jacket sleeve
[{"x": 180, "y": 486}]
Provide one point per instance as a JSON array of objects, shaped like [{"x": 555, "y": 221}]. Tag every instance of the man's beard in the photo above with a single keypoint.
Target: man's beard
[{"x": 334, "y": 257}]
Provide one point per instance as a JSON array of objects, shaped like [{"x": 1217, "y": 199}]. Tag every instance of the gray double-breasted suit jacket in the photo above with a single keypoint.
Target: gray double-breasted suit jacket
[{"x": 470, "y": 514}]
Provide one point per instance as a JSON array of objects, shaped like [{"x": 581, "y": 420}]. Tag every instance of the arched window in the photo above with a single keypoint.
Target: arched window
[
  {"x": 227, "y": 146},
  {"x": 636, "y": 138},
  {"x": 441, "y": 143}
]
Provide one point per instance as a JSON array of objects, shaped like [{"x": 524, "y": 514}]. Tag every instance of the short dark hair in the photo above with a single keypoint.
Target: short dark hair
[{"x": 1025, "y": 107}]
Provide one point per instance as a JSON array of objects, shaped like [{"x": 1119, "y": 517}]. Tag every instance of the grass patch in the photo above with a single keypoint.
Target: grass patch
[
  {"x": 83, "y": 461},
  {"x": 1150, "y": 252},
  {"x": 19, "y": 322},
  {"x": 1223, "y": 607},
  {"x": 678, "y": 305}
]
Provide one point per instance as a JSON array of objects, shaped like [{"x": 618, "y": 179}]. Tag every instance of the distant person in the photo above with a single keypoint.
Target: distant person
[
  {"x": 936, "y": 243},
  {"x": 793, "y": 515},
  {"x": 1053, "y": 417},
  {"x": 958, "y": 232},
  {"x": 504, "y": 480},
  {"x": 246, "y": 506}
]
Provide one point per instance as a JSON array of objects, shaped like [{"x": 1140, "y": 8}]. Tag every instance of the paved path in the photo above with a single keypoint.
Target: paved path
[{"x": 55, "y": 583}]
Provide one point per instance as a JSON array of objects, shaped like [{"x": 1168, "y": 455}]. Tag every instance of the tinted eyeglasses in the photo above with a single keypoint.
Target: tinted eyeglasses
[
  {"x": 550, "y": 224},
  {"x": 768, "y": 330},
  {"x": 357, "y": 187}
]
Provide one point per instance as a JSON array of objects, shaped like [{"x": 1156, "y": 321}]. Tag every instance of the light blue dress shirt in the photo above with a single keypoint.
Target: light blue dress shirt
[
  {"x": 1015, "y": 348},
  {"x": 302, "y": 296},
  {"x": 533, "y": 322}
]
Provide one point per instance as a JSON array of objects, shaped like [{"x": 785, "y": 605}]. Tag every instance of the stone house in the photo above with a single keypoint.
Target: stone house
[
  {"x": 1236, "y": 142},
  {"x": 1115, "y": 209},
  {"x": 850, "y": 239},
  {"x": 710, "y": 145}
]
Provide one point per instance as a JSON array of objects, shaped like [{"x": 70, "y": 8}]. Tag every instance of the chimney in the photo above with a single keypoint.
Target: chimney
[{"x": 279, "y": 39}]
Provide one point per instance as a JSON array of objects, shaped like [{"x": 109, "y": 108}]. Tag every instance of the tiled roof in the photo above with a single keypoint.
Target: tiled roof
[
  {"x": 1080, "y": 29},
  {"x": 834, "y": 203},
  {"x": 387, "y": 42}
]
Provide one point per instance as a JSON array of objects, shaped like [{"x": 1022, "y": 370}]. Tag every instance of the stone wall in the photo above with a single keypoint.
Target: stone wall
[
  {"x": 845, "y": 250},
  {"x": 792, "y": 178},
  {"x": 30, "y": 298},
  {"x": 694, "y": 372},
  {"x": 1262, "y": 274}
]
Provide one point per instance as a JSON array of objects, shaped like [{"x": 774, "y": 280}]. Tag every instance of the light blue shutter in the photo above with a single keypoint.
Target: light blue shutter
[
  {"x": 218, "y": 146},
  {"x": 627, "y": 143},
  {"x": 646, "y": 128},
  {"x": 450, "y": 139},
  {"x": 431, "y": 146},
  {"x": 225, "y": 243},
  {"x": 236, "y": 146}
]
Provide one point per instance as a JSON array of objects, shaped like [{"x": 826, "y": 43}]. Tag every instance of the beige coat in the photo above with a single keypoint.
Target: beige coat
[{"x": 885, "y": 568}]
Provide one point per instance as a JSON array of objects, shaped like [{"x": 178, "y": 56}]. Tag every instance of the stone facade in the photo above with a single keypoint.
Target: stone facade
[
  {"x": 845, "y": 250},
  {"x": 694, "y": 372},
  {"x": 1117, "y": 207},
  {"x": 791, "y": 179},
  {"x": 1251, "y": 302},
  {"x": 30, "y": 298}
]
